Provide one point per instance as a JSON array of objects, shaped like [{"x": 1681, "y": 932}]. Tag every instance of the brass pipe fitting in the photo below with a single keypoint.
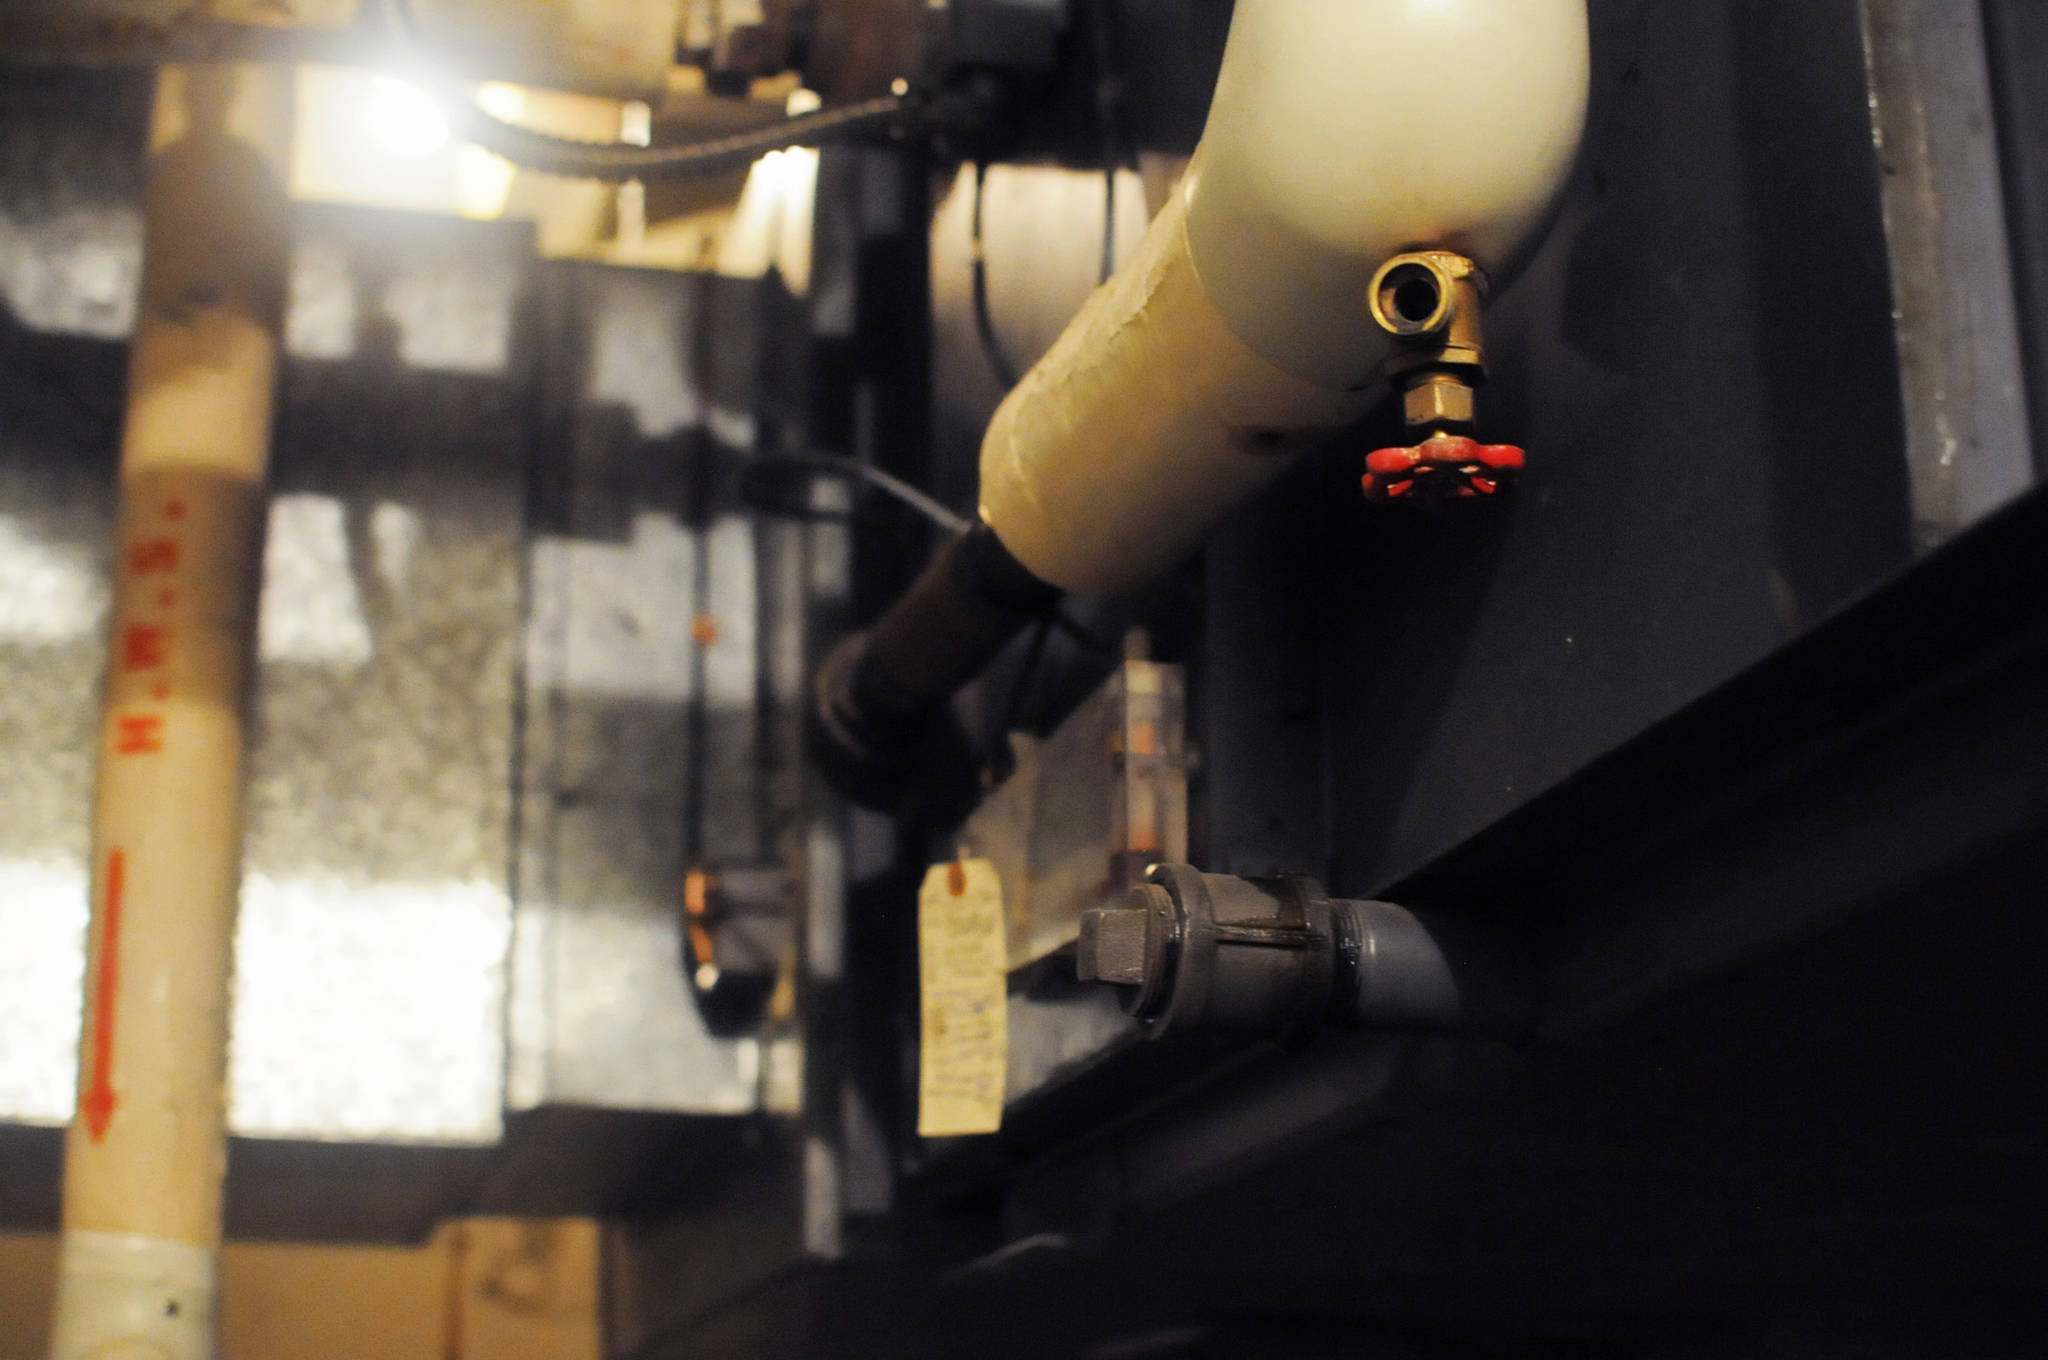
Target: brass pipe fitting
[{"x": 1430, "y": 302}]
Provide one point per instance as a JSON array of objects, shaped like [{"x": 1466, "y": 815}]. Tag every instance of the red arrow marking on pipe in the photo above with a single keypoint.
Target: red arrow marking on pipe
[{"x": 98, "y": 1102}]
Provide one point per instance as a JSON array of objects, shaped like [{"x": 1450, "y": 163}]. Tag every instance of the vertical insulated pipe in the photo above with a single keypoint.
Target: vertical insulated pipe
[{"x": 146, "y": 1153}]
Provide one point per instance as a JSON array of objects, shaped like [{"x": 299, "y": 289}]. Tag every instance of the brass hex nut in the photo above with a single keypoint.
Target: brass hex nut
[{"x": 1439, "y": 400}]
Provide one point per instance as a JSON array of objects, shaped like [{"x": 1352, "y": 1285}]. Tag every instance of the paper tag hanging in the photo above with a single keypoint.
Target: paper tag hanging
[{"x": 961, "y": 947}]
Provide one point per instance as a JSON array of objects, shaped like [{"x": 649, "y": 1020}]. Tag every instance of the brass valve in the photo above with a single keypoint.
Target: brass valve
[{"x": 1430, "y": 302}]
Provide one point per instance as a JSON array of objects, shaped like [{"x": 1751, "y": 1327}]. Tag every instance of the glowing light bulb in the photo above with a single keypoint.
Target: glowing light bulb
[{"x": 404, "y": 119}]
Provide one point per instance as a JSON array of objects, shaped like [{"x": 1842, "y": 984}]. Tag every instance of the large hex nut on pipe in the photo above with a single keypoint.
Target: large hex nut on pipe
[
  {"x": 1131, "y": 946},
  {"x": 1278, "y": 957},
  {"x": 1193, "y": 950}
]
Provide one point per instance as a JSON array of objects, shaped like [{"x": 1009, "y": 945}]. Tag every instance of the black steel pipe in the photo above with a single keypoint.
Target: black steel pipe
[
  {"x": 1278, "y": 956},
  {"x": 879, "y": 693}
]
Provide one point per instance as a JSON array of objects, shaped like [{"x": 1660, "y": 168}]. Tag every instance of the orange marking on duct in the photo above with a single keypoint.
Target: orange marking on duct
[{"x": 99, "y": 1100}]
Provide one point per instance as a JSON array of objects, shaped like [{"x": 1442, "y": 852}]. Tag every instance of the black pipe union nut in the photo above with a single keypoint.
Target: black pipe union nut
[{"x": 1280, "y": 958}]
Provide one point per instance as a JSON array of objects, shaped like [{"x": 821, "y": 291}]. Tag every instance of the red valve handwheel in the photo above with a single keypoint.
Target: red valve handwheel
[{"x": 1442, "y": 467}]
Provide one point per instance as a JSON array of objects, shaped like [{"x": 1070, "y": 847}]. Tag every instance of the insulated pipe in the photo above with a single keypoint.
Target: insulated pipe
[
  {"x": 1342, "y": 132},
  {"x": 145, "y": 1155}
]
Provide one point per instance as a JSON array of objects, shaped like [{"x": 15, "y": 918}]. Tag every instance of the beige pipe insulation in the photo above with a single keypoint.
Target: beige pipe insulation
[
  {"x": 145, "y": 1156},
  {"x": 1342, "y": 132}
]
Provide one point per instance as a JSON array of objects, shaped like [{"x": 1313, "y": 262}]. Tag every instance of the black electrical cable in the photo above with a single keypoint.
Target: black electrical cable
[
  {"x": 1108, "y": 224},
  {"x": 984, "y": 324},
  {"x": 1109, "y": 93},
  {"x": 1109, "y": 96},
  {"x": 758, "y": 491},
  {"x": 1002, "y": 762},
  {"x": 617, "y": 162}
]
